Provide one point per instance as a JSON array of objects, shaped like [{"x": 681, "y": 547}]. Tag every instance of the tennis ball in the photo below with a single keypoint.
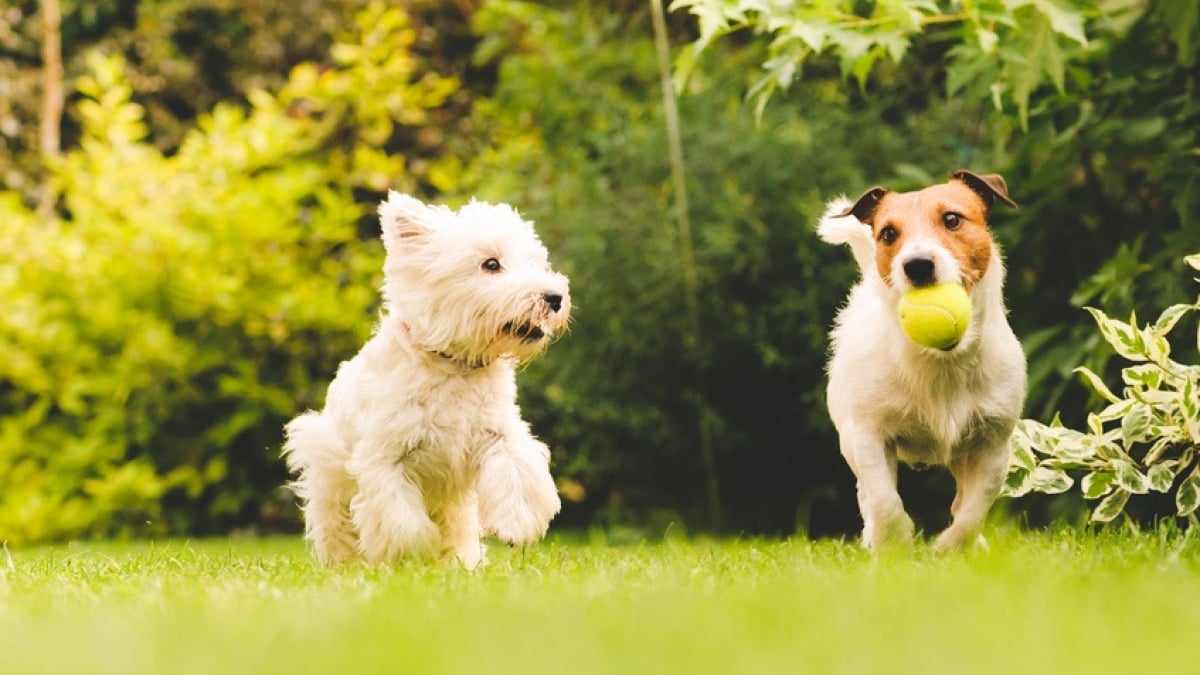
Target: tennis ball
[{"x": 935, "y": 316}]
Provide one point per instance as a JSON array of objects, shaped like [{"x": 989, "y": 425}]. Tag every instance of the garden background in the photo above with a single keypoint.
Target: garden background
[{"x": 187, "y": 247}]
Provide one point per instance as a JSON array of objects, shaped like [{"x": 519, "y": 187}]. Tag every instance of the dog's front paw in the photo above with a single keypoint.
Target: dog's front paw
[
  {"x": 895, "y": 531},
  {"x": 953, "y": 538},
  {"x": 517, "y": 498}
]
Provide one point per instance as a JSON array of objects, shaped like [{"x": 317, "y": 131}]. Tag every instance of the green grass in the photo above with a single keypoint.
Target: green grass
[{"x": 1037, "y": 603}]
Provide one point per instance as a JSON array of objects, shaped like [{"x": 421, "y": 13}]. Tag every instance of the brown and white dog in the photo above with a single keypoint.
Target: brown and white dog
[{"x": 892, "y": 400}]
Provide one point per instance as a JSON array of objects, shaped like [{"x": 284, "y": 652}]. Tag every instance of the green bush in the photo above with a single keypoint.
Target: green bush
[
  {"x": 156, "y": 336},
  {"x": 1146, "y": 439},
  {"x": 580, "y": 147}
]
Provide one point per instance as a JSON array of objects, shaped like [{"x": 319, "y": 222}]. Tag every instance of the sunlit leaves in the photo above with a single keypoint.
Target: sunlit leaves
[
  {"x": 156, "y": 336},
  {"x": 1005, "y": 50}
]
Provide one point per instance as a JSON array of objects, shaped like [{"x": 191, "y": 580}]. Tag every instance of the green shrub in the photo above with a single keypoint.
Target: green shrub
[
  {"x": 156, "y": 336},
  {"x": 580, "y": 147},
  {"x": 1146, "y": 439}
]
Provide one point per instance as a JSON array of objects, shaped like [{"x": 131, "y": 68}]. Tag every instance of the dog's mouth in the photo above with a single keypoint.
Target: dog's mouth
[{"x": 524, "y": 331}]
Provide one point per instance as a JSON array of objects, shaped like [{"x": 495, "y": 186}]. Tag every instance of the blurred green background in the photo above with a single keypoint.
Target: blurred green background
[{"x": 187, "y": 250}]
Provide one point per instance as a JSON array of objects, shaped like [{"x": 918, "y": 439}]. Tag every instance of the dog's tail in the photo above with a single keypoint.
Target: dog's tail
[
  {"x": 311, "y": 444},
  {"x": 836, "y": 228}
]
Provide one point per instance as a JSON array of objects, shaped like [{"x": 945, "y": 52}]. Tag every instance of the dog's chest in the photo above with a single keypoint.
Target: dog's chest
[
  {"x": 932, "y": 419},
  {"x": 453, "y": 421}
]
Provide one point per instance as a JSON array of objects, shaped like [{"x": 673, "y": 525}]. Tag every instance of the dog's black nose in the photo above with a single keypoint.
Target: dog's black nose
[
  {"x": 554, "y": 300},
  {"x": 919, "y": 271}
]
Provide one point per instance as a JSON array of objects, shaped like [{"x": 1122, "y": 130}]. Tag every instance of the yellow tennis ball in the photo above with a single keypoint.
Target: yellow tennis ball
[{"x": 935, "y": 316}]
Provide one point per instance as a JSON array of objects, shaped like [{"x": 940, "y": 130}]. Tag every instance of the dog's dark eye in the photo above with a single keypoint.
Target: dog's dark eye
[
  {"x": 491, "y": 265},
  {"x": 888, "y": 235},
  {"x": 952, "y": 221}
]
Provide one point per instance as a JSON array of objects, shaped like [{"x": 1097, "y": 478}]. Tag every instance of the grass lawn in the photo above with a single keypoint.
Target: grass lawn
[{"x": 1037, "y": 603}]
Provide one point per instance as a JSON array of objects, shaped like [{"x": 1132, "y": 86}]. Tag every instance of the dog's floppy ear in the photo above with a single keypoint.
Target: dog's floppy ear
[
  {"x": 864, "y": 207},
  {"x": 402, "y": 217},
  {"x": 989, "y": 187}
]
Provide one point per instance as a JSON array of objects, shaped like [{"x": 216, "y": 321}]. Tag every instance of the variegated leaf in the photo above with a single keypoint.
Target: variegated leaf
[
  {"x": 1171, "y": 316},
  {"x": 1187, "y": 497},
  {"x": 1096, "y": 485},
  {"x": 1115, "y": 411},
  {"x": 1017, "y": 483},
  {"x": 1156, "y": 450},
  {"x": 1143, "y": 376},
  {"x": 1135, "y": 427},
  {"x": 1111, "y": 506},
  {"x": 1123, "y": 337},
  {"x": 1161, "y": 476},
  {"x": 1097, "y": 384},
  {"x": 1050, "y": 481},
  {"x": 1158, "y": 350},
  {"x": 1189, "y": 408},
  {"x": 1129, "y": 478},
  {"x": 1022, "y": 453}
]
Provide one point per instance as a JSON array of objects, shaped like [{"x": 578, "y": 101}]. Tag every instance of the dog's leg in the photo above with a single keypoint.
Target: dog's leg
[
  {"x": 979, "y": 477},
  {"x": 517, "y": 495},
  {"x": 874, "y": 464},
  {"x": 389, "y": 513},
  {"x": 327, "y": 518},
  {"x": 459, "y": 525},
  {"x": 316, "y": 455}
]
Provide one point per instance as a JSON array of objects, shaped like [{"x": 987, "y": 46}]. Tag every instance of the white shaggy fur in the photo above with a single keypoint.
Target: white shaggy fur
[
  {"x": 421, "y": 449},
  {"x": 892, "y": 400}
]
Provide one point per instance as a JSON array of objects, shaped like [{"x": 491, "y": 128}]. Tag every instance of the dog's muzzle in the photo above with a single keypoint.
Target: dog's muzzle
[
  {"x": 525, "y": 331},
  {"x": 919, "y": 271}
]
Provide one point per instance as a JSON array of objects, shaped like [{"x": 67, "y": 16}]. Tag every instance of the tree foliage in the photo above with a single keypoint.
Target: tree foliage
[
  {"x": 618, "y": 396},
  {"x": 157, "y": 335},
  {"x": 213, "y": 256},
  {"x": 1003, "y": 49}
]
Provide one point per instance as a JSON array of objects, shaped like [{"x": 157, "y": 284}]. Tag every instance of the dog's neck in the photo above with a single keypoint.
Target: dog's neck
[{"x": 458, "y": 362}]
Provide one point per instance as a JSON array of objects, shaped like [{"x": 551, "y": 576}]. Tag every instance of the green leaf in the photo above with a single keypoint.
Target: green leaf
[
  {"x": 811, "y": 33},
  {"x": 1063, "y": 20},
  {"x": 1187, "y": 497},
  {"x": 1096, "y": 485},
  {"x": 1111, "y": 506},
  {"x": 1182, "y": 18},
  {"x": 1129, "y": 478},
  {"x": 1161, "y": 477}
]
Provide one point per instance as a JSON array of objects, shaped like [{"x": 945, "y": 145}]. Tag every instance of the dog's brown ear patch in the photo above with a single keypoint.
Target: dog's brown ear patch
[
  {"x": 864, "y": 207},
  {"x": 989, "y": 187}
]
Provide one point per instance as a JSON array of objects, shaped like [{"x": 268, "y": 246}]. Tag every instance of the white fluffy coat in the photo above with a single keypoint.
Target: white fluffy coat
[{"x": 421, "y": 449}]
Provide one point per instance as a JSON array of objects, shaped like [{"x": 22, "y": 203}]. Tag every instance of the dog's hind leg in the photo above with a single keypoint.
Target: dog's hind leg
[
  {"x": 316, "y": 455},
  {"x": 979, "y": 476}
]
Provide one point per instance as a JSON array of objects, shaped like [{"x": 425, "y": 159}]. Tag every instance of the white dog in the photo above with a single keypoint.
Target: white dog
[
  {"x": 421, "y": 448},
  {"x": 893, "y": 400}
]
